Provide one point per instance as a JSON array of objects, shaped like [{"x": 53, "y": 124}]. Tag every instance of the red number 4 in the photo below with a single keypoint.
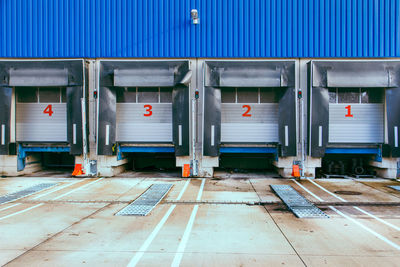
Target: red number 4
[{"x": 48, "y": 110}]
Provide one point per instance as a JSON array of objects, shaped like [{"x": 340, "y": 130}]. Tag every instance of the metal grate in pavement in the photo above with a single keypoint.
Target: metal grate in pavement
[
  {"x": 25, "y": 192},
  {"x": 395, "y": 187},
  {"x": 296, "y": 203},
  {"x": 147, "y": 201}
]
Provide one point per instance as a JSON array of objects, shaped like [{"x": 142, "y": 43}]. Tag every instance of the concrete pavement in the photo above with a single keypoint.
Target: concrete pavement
[{"x": 74, "y": 224}]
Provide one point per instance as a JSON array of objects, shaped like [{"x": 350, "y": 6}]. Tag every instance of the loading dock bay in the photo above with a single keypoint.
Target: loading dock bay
[{"x": 201, "y": 222}]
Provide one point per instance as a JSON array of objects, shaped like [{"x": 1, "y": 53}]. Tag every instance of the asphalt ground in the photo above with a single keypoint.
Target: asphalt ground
[{"x": 201, "y": 222}]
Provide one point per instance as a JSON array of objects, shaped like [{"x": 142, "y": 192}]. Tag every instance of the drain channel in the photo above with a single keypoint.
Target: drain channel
[
  {"x": 25, "y": 192},
  {"x": 147, "y": 201},
  {"x": 296, "y": 203}
]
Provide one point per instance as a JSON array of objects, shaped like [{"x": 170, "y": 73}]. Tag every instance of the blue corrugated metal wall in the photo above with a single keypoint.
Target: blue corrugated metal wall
[{"x": 228, "y": 28}]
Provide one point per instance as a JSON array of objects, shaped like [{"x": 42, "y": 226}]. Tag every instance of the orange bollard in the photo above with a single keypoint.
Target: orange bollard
[
  {"x": 296, "y": 171},
  {"x": 186, "y": 170},
  {"x": 78, "y": 170}
]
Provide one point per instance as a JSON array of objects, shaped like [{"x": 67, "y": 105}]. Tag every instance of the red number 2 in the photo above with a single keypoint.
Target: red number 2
[
  {"x": 348, "y": 111},
  {"x": 148, "y": 109},
  {"x": 48, "y": 110},
  {"x": 246, "y": 113}
]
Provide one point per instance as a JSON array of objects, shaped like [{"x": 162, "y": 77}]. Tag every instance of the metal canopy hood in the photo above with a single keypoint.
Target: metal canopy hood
[
  {"x": 41, "y": 73},
  {"x": 40, "y": 77},
  {"x": 144, "y": 74},
  {"x": 356, "y": 74},
  {"x": 141, "y": 77},
  {"x": 250, "y": 74}
]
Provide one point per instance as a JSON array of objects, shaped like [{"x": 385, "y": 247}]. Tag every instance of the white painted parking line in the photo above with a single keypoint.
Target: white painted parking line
[
  {"x": 57, "y": 189},
  {"x": 44, "y": 194},
  {"x": 348, "y": 217},
  {"x": 327, "y": 191},
  {"x": 366, "y": 228},
  {"x": 79, "y": 188},
  {"x": 41, "y": 204},
  {"x": 135, "y": 260},
  {"x": 200, "y": 194},
  {"x": 9, "y": 207},
  {"x": 21, "y": 211},
  {"x": 357, "y": 208},
  {"x": 182, "y": 245},
  {"x": 379, "y": 219},
  {"x": 308, "y": 191}
]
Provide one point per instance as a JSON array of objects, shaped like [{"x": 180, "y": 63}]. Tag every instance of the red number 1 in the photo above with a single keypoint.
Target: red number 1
[
  {"x": 348, "y": 111},
  {"x": 48, "y": 110}
]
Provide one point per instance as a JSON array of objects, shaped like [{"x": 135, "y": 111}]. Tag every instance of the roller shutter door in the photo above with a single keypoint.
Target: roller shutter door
[
  {"x": 41, "y": 114},
  {"x": 249, "y": 115},
  {"x": 356, "y": 116},
  {"x": 144, "y": 115}
]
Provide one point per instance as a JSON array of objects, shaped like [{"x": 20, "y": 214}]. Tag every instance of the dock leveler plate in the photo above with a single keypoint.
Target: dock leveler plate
[{"x": 296, "y": 203}]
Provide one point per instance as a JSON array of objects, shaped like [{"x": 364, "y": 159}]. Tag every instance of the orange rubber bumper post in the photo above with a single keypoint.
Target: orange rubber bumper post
[
  {"x": 78, "y": 170},
  {"x": 186, "y": 170},
  {"x": 296, "y": 171}
]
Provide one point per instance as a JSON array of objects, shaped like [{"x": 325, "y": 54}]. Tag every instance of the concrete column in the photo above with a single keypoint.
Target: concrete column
[
  {"x": 9, "y": 165},
  {"x": 284, "y": 166},
  {"x": 207, "y": 165},
  {"x": 92, "y": 107},
  {"x": 109, "y": 166},
  {"x": 310, "y": 165},
  {"x": 385, "y": 169}
]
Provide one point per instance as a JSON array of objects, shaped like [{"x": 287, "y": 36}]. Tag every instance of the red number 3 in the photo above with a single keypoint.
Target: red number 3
[
  {"x": 48, "y": 110},
  {"x": 148, "y": 109},
  {"x": 246, "y": 113}
]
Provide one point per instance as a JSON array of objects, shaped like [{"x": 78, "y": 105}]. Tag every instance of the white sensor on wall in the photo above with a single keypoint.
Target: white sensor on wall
[{"x": 195, "y": 16}]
